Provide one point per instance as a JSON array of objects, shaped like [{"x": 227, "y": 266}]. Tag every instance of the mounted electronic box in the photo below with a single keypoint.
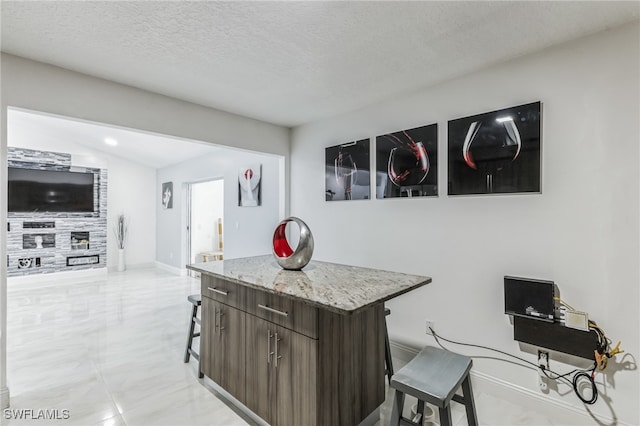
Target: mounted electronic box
[{"x": 541, "y": 318}]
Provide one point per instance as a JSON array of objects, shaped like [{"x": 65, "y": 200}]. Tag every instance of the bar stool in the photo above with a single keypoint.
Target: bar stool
[
  {"x": 196, "y": 301},
  {"x": 433, "y": 376},
  {"x": 387, "y": 349}
]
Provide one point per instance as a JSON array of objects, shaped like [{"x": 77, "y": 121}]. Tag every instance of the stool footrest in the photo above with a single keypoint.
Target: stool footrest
[
  {"x": 459, "y": 399},
  {"x": 194, "y": 354}
]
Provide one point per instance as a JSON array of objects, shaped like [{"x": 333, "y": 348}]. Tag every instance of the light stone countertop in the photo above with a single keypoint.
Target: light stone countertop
[{"x": 340, "y": 288}]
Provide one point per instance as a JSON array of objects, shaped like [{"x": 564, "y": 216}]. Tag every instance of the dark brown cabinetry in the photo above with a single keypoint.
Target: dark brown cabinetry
[
  {"x": 281, "y": 373},
  {"x": 289, "y": 362},
  {"x": 223, "y": 331}
]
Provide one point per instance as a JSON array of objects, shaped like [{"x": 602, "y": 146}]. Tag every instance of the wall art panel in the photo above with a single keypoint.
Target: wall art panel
[
  {"x": 347, "y": 171},
  {"x": 250, "y": 185},
  {"x": 496, "y": 152},
  {"x": 407, "y": 163}
]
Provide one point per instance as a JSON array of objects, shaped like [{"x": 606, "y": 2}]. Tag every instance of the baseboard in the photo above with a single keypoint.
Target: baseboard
[
  {"x": 134, "y": 266},
  {"x": 562, "y": 412},
  {"x": 172, "y": 269},
  {"x": 401, "y": 352},
  {"x": 4, "y": 398},
  {"x": 38, "y": 278}
]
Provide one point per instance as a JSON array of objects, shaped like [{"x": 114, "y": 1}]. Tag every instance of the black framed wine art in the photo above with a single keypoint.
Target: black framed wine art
[
  {"x": 347, "y": 171},
  {"x": 496, "y": 152},
  {"x": 407, "y": 163}
]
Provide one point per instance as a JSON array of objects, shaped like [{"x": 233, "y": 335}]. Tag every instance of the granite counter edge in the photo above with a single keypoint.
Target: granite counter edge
[{"x": 308, "y": 301}]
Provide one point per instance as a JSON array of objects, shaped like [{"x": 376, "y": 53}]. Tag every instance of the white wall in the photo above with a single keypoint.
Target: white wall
[
  {"x": 130, "y": 191},
  {"x": 248, "y": 231},
  {"x": 41, "y": 87},
  {"x": 582, "y": 231}
]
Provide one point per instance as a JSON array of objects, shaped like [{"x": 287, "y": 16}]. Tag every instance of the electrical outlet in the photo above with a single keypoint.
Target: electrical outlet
[
  {"x": 543, "y": 364},
  {"x": 543, "y": 382},
  {"x": 543, "y": 359},
  {"x": 429, "y": 325}
]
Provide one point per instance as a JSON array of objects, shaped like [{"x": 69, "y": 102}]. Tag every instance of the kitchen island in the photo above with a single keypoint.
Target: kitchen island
[{"x": 298, "y": 347}]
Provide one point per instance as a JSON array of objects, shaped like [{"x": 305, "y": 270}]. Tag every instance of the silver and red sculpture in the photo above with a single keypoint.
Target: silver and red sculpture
[{"x": 287, "y": 257}]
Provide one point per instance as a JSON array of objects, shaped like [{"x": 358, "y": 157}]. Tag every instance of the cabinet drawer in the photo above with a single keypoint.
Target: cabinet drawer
[
  {"x": 223, "y": 291},
  {"x": 296, "y": 316}
]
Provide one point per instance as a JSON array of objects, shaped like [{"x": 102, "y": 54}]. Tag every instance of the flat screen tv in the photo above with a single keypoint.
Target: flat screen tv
[
  {"x": 530, "y": 298},
  {"x": 37, "y": 191}
]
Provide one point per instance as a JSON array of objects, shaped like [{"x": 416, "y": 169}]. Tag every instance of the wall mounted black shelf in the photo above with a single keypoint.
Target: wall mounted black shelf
[{"x": 556, "y": 337}]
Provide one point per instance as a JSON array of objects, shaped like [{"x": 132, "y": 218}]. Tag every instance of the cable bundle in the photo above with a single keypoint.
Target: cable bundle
[{"x": 579, "y": 375}]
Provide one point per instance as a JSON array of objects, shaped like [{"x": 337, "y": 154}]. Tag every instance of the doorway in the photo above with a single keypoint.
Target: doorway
[{"x": 206, "y": 219}]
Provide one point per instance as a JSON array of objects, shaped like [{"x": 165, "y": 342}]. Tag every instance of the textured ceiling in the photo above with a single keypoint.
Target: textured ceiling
[{"x": 292, "y": 62}]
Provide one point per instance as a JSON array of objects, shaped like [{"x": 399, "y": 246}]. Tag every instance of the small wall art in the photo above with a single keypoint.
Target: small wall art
[
  {"x": 167, "y": 195},
  {"x": 496, "y": 152},
  {"x": 347, "y": 171},
  {"x": 407, "y": 163},
  {"x": 250, "y": 185}
]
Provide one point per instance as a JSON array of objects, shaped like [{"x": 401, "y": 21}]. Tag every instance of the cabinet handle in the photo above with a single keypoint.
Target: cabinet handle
[
  {"x": 220, "y": 327},
  {"x": 275, "y": 311},
  {"x": 224, "y": 293},
  {"x": 269, "y": 353},
  {"x": 277, "y": 357}
]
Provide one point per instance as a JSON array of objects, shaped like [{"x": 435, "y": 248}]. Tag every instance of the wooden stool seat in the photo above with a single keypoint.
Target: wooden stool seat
[
  {"x": 196, "y": 301},
  {"x": 433, "y": 377}
]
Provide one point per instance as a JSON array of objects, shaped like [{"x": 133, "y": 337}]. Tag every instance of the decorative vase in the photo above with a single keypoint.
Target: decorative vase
[
  {"x": 121, "y": 265},
  {"x": 287, "y": 257}
]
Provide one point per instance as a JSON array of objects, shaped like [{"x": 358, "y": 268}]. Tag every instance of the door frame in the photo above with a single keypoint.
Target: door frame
[{"x": 189, "y": 194}]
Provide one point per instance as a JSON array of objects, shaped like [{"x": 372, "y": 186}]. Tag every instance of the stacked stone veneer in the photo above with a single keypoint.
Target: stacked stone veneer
[{"x": 54, "y": 259}]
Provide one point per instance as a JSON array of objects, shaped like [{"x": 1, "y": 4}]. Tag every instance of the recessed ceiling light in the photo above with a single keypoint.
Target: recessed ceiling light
[
  {"x": 503, "y": 119},
  {"x": 110, "y": 141}
]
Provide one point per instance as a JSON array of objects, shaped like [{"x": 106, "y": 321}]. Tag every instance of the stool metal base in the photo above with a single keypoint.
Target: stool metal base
[
  {"x": 196, "y": 301},
  {"x": 387, "y": 349}
]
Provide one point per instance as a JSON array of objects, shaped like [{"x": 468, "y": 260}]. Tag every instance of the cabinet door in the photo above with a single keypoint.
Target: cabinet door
[
  {"x": 260, "y": 384},
  {"x": 228, "y": 363},
  {"x": 207, "y": 331},
  {"x": 295, "y": 361}
]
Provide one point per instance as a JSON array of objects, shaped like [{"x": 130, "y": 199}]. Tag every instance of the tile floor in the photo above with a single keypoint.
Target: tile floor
[{"x": 110, "y": 350}]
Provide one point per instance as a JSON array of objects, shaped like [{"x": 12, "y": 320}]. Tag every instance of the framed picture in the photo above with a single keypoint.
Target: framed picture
[
  {"x": 250, "y": 185},
  {"x": 347, "y": 171},
  {"x": 407, "y": 163},
  {"x": 167, "y": 195},
  {"x": 496, "y": 152}
]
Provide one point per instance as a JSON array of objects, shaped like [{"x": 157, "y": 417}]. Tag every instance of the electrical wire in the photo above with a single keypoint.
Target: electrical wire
[
  {"x": 437, "y": 337},
  {"x": 562, "y": 302},
  {"x": 594, "y": 390},
  {"x": 579, "y": 374}
]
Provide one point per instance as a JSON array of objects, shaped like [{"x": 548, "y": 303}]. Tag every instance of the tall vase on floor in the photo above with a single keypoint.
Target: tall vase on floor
[
  {"x": 121, "y": 265},
  {"x": 120, "y": 231}
]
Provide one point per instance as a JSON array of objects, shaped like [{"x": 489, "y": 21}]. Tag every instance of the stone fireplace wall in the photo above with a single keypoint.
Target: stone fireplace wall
[{"x": 53, "y": 242}]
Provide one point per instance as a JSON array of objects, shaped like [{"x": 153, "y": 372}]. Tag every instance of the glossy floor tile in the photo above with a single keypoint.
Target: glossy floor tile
[{"x": 109, "y": 349}]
